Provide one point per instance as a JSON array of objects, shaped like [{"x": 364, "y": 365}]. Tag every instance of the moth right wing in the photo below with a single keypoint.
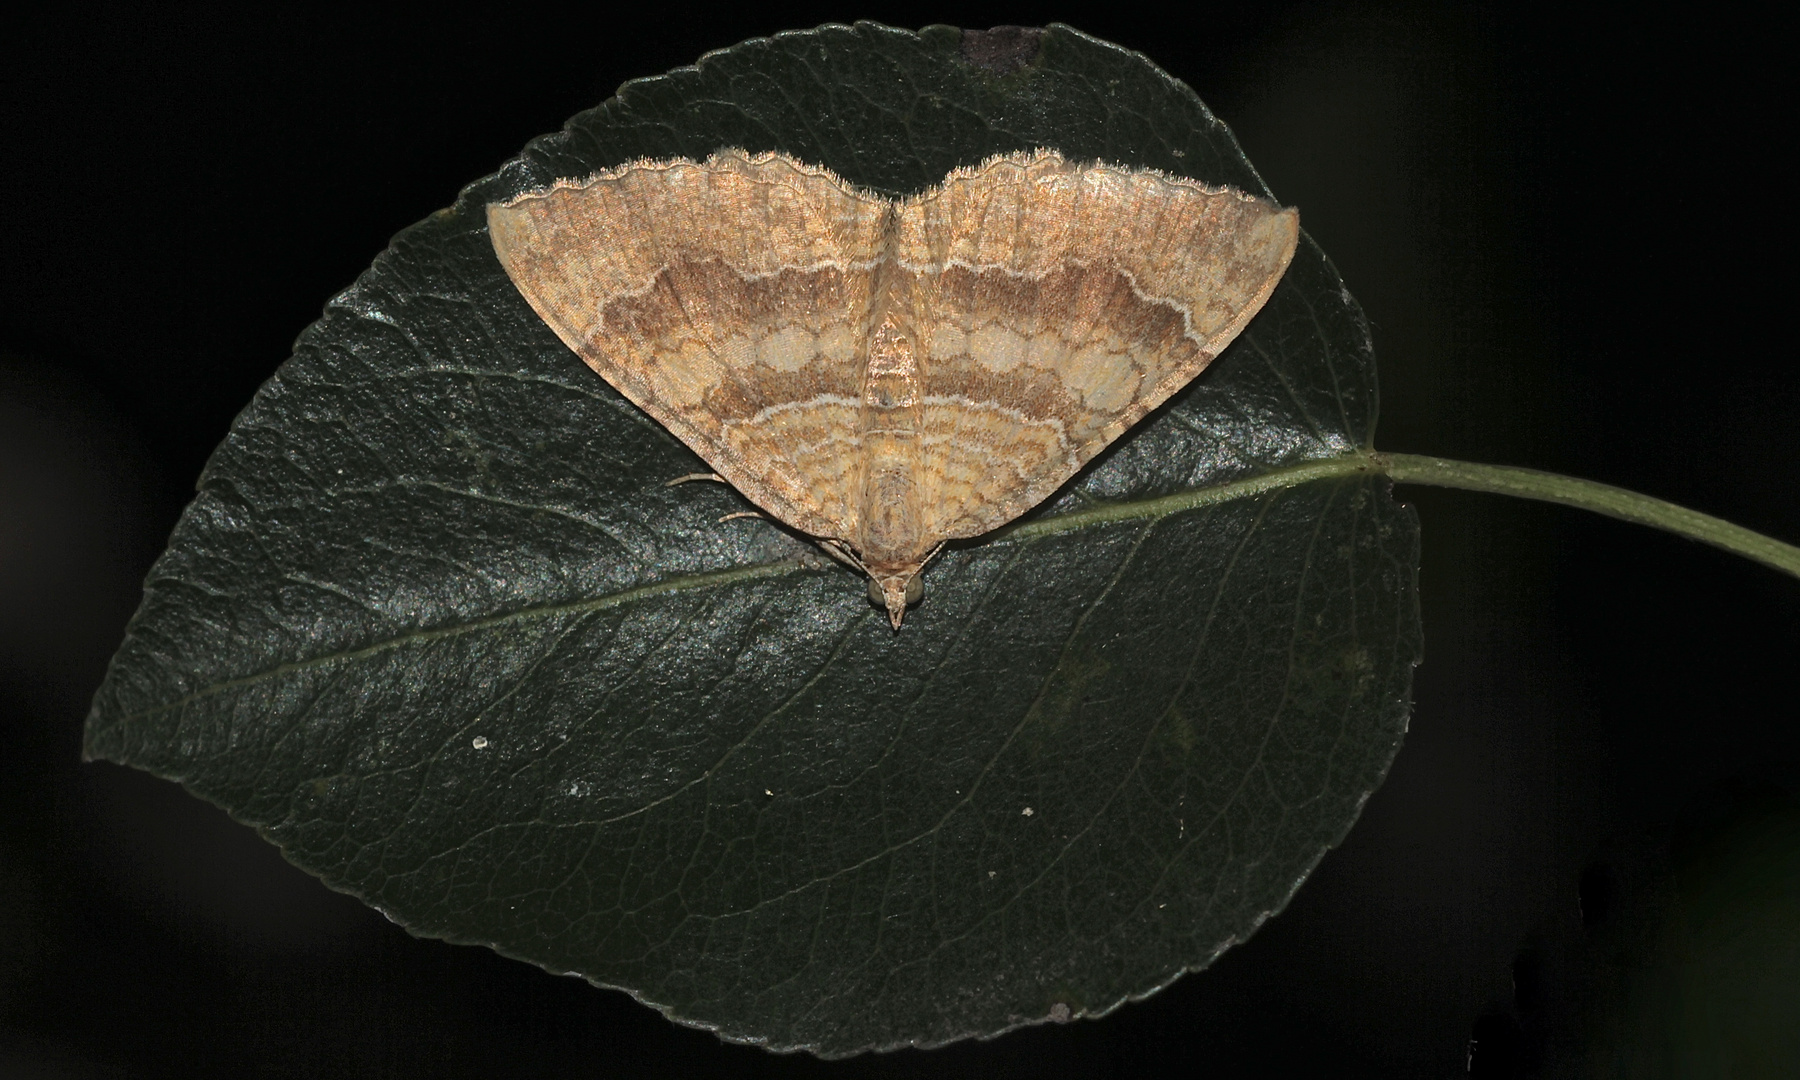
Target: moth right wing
[{"x": 1064, "y": 303}]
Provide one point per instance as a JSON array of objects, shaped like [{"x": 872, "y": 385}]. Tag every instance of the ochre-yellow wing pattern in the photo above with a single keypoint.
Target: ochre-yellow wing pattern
[
  {"x": 722, "y": 299},
  {"x": 888, "y": 375},
  {"x": 1062, "y": 304}
]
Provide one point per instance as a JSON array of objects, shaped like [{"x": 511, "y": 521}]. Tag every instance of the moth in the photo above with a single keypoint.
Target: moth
[{"x": 887, "y": 375}]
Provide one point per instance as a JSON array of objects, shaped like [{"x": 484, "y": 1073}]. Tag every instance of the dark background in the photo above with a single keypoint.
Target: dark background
[{"x": 1569, "y": 232}]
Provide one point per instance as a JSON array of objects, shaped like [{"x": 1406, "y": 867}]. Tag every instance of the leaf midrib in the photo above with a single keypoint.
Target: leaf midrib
[{"x": 1105, "y": 514}]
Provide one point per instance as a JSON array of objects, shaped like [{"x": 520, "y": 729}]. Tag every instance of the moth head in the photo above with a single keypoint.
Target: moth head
[{"x": 895, "y": 592}]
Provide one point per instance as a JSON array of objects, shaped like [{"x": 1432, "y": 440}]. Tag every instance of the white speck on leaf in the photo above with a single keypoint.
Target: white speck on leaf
[
  {"x": 1027, "y": 812},
  {"x": 479, "y": 742}
]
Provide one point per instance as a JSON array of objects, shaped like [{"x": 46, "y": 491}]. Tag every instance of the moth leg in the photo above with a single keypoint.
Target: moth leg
[
  {"x": 717, "y": 479},
  {"x": 837, "y": 550}
]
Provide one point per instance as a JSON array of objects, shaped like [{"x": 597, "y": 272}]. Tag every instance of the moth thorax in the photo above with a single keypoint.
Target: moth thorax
[
  {"x": 892, "y": 380},
  {"x": 891, "y": 513}
]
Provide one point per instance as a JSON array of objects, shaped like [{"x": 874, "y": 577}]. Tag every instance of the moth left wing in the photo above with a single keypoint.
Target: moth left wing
[
  {"x": 1060, "y": 304},
  {"x": 722, "y": 299}
]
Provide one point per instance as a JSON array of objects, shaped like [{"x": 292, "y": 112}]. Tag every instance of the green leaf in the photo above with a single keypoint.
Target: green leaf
[{"x": 436, "y": 627}]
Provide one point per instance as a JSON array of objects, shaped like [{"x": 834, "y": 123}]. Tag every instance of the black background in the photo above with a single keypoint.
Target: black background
[{"x": 1569, "y": 231}]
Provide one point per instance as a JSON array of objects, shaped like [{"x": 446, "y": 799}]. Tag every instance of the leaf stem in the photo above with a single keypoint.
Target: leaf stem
[
  {"x": 1590, "y": 495},
  {"x": 1442, "y": 472}
]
